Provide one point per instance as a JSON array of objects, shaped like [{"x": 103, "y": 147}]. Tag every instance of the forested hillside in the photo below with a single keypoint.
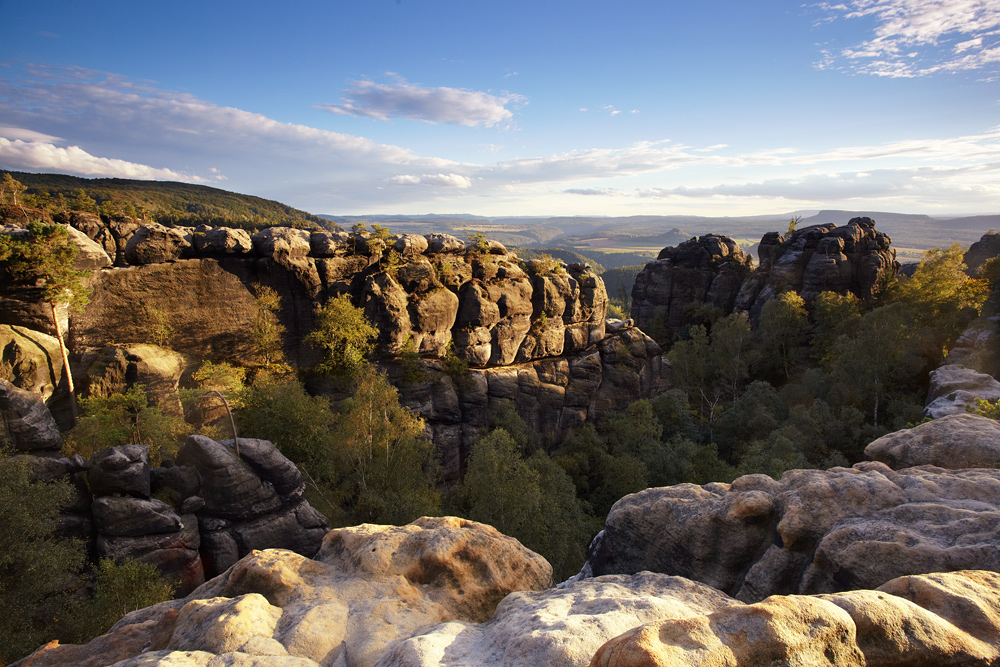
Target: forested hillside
[{"x": 169, "y": 203}]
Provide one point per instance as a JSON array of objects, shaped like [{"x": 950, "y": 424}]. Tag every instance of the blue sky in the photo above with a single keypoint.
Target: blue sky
[{"x": 716, "y": 107}]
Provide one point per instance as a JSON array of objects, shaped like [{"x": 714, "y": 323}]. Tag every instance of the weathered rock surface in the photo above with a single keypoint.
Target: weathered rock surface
[
  {"x": 709, "y": 269},
  {"x": 811, "y": 532},
  {"x": 984, "y": 249},
  {"x": 115, "y": 368},
  {"x": 368, "y": 587},
  {"x": 978, "y": 347},
  {"x": 955, "y": 441},
  {"x": 551, "y": 395},
  {"x": 26, "y": 425},
  {"x": 254, "y": 501},
  {"x": 854, "y": 258},
  {"x": 558, "y": 627},
  {"x": 954, "y": 388},
  {"x": 936, "y": 619}
]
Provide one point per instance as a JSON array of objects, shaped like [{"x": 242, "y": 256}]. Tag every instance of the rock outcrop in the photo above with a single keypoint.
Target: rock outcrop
[
  {"x": 937, "y": 619},
  {"x": 854, "y": 258},
  {"x": 551, "y": 395},
  {"x": 189, "y": 518},
  {"x": 954, "y": 441},
  {"x": 708, "y": 270},
  {"x": 367, "y": 588},
  {"x": 26, "y": 425},
  {"x": 955, "y": 388},
  {"x": 814, "y": 531}
]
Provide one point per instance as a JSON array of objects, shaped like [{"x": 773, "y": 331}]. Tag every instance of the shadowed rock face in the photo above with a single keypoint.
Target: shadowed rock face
[
  {"x": 854, "y": 258},
  {"x": 709, "y": 270}
]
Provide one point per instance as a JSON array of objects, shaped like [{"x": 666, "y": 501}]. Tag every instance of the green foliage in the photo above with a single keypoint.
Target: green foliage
[
  {"x": 266, "y": 332},
  {"x": 783, "y": 322},
  {"x": 833, "y": 315},
  {"x": 38, "y": 569},
  {"x": 880, "y": 356},
  {"x": 119, "y": 588},
  {"x": 46, "y": 253},
  {"x": 986, "y": 408},
  {"x": 409, "y": 359},
  {"x": 390, "y": 462},
  {"x": 530, "y": 499},
  {"x": 157, "y": 324},
  {"x": 480, "y": 244},
  {"x": 125, "y": 419},
  {"x": 452, "y": 364},
  {"x": 989, "y": 271},
  {"x": 172, "y": 204},
  {"x": 344, "y": 335},
  {"x": 941, "y": 297}
]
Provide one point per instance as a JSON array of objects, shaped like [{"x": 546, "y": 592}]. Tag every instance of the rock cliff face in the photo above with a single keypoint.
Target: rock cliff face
[
  {"x": 533, "y": 332},
  {"x": 712, "y": 270},
  {"x": 709, "y": 270},
  {"x": 551, "y": 395}
]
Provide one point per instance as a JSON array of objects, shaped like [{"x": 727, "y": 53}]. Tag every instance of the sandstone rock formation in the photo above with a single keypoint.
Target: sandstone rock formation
[
  {"x": 419, "y": 596},
  {"x": 985, "y": 248},
  {"x": 551, "y": 395},
  {"x": 709, "y": 269},
  {"x": 114, "y": 368},
  {"x": 855, "y": 258},
  {"x": 954, "y": 388},
  {"x": 368, "y": 587},
  {"x": 713, "y": 270},
  {"x": 955, "y": 441},
  {"x": 814, "y": 531},
  {"x": 936, "y": 619},
  {"x": 26, "y": 425}
]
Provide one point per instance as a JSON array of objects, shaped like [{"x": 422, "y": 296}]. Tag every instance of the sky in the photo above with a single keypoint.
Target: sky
[{"x": 352, "y": 107}]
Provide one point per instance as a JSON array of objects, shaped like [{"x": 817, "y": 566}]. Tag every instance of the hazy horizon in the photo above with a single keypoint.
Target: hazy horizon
[{"x": 721, "y": 108}]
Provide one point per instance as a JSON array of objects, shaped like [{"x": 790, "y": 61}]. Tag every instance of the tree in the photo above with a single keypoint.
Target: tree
[
  {"x": 125, "y": 419},
  {"x": 344, "y": 335},
  {"x": 390, "y": 463},
  {"x": 266, "y": 332},
  {"x": 47, "y": 253},
  {"x": 783, "y": 321},
  {"x": 879, "y": 357},
  {"x": 532, "y": 500},
  {"x": 833, "y": 315},
  {"x": 13, "y": 188},
  {"x": 941, "y": 297},
  {"x": 38, "y": 569}
]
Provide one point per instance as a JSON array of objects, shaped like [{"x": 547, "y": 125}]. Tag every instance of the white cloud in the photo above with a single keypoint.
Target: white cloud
[
  {"x": 914, "y": 38},
  {"x": 27, "y": 135},
  {"x": 453, "y": 106},
  {"x": 436, "y": 180},
  {"x": 31, "y": 155}
]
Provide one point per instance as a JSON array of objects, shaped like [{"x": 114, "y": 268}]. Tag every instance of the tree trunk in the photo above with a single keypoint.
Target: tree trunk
[{"x": 65, "y": 360}]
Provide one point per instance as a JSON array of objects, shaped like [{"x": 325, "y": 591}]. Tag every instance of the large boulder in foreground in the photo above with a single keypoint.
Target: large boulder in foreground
[
  {"x": 26, "y": 425},
  {"x": 936, "y": 619},
  {"x": 368, "y": 587},
  {"x": 814, "y": 531}
]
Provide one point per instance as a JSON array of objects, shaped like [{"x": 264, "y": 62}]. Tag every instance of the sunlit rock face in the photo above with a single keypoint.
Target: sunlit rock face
[{"x": 671, "y": 292}]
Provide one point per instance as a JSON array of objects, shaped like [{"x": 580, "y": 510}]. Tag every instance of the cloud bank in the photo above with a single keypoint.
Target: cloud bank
[{"x": 453, "y": 106}]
